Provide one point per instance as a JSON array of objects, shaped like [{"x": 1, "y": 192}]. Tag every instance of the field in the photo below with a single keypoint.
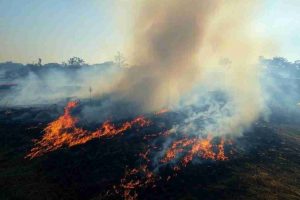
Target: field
[{"x": 265, "y": 164}]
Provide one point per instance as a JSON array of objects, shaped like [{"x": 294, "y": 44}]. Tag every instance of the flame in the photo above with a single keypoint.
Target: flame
[
  {"x": 162, "y": 111},
  {"x": 176, "y": 148},
  {"x": 197, "y": 147},
  {"x": 202, "y": 148},
  {"x": 137, "y": 178},
  {"x": 63, "y": 132},
  {"x": 221, "y": 154},
  {"x": 186, "y": 149},
  {"x": 134, "y": 179}
]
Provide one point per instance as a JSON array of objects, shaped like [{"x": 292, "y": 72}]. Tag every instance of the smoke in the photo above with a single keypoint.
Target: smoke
[
  {"x": 52, "y": 84},
  {"x": 168, "y": 35},
  {"x": 184, "y": 53},
  {"x": 183, "y": 48}
]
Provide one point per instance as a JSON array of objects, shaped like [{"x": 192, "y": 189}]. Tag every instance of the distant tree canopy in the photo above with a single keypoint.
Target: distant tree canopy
[{"x": 76, "y": 61}]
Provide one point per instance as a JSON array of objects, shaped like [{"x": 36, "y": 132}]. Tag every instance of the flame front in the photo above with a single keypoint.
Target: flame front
[
  {"x": 187, "y": 149},
  {"x": 63, "y": 132}
]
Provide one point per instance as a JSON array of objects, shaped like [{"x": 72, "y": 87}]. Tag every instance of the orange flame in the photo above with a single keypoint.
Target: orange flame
[
  {"x": 141, "y": 176},
  {"x": 221, "y": 154},
  {"x": 136, "y": 178},
  {"x": 176, "y": 148},
  {"x": 201, "y": 147},
  {"x": 162, "y": 111},
  {"x": 133, "y": 180},
  {"x": 63, "y": 132}
]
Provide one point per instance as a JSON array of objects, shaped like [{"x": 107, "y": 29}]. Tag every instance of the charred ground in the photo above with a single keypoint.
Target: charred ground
[{"x": 265, "y": 165}]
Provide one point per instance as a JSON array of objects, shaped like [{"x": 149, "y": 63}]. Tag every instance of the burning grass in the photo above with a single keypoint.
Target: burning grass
[
  {"x": 64, "y": 132},
  {"x": 266, "y": 167}
]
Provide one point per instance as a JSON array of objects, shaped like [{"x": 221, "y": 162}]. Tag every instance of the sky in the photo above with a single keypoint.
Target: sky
[
  {"x": 96, "y": 30},
  {"x": 280, "y": 21}
]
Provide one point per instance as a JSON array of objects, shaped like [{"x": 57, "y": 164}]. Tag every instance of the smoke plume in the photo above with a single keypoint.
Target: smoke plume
[{"x": 182, "y": 48}]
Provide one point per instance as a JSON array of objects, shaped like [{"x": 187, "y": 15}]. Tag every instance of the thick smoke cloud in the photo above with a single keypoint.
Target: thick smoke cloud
[
  {"x": 182, "y": 47},
  {"x": 168, "y": 35}
]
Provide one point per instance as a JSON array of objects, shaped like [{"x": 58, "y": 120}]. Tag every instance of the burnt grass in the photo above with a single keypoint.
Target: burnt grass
[{"x": 265, "y": 165}]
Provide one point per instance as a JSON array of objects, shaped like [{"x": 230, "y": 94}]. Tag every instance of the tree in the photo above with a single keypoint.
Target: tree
[
  {"x": 39, "y": 62},
  {"x": 120, "y": 60},
  {"x": 76, "y": 61}
]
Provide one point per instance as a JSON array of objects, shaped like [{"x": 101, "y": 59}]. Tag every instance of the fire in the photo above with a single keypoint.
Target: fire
[
  {"x": 221, "y": 154},
  {"x": 186, "y": 149},
  {"x": 136, "y": 178},
  {"x": 162, "y": 111},
  {"x": 176, "y": 148},
  {"x": 201, "y": 148},
  {"x": 63, "y": 132}
]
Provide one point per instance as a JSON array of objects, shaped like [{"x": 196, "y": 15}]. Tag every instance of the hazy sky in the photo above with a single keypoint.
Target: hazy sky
[{"x": 95, "y": 30}]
